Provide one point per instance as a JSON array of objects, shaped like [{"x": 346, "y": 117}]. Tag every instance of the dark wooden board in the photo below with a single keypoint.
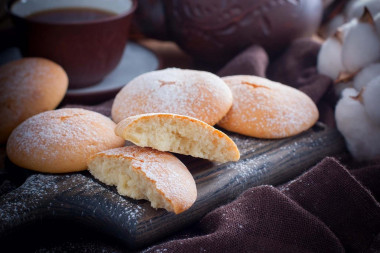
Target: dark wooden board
[{"x": 79, "y": 197}]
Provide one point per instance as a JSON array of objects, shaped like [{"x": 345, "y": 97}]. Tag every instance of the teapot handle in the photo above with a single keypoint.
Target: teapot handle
[{"x": 150, "y": 19}]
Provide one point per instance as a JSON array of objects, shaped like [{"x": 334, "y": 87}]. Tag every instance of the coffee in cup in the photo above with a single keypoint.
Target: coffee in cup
[{"x": 86, "y": 37}]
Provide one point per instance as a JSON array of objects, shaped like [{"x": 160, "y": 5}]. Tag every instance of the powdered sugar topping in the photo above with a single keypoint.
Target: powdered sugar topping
[
  {"x": 78, "y": 193},
  {"x": 64, "y": 135},
  {"x": 268, "y": 109},
  {"x": 169, "y": 174},
  {"x": 197, "y": 94}
]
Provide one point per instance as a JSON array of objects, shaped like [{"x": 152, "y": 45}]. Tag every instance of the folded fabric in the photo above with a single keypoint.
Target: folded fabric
[
  {"x": 324, "y": 210},
  {"x": 252, "y": 61}
]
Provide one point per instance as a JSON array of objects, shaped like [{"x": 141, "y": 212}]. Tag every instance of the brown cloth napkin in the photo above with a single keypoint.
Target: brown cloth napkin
[{"x": 324, "y": 210}]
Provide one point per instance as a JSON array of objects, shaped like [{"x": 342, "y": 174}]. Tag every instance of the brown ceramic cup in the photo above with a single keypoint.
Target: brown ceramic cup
[{"x": 87, "y": 50}]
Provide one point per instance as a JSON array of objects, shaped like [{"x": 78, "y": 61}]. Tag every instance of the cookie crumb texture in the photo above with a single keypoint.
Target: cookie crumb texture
[
  {"x": 178, "y": 134},
  {"x": 145, "y": 173}
]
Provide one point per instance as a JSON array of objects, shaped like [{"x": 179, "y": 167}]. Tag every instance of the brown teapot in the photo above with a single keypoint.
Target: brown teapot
[{"x": 214, "y": 31}]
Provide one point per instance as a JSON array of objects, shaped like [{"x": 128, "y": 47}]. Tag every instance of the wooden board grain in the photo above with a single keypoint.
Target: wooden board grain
[{"x": 81, "y": 198}]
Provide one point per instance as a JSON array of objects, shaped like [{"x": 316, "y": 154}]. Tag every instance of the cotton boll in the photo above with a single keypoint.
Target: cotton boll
[
  {"x": 348, "y": 6},
  {"x": 329, "y": 60},
  {"x": 362, "y": 136},
  {"x": 361, "y": 46},
  {"x": 330, "y": 55},
  {"x": 356, "y": 9},
  {"x": 339, "y": 87},
  {"x": 343, "y": 82},
  {"x": 346, "y": 27},
  {"x": 350, "y": 93},
  {"x": 366, "y": 75},
  {"x": 377, "y": 23},
  {"x": 371, "y": 100},
  {"x": 333, "y": 25}
]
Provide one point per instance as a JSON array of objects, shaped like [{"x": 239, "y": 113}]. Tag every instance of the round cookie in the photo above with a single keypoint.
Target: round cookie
[
  {"x": 198, "y": 94},
  {"x": 61, "y": 141},
  {"x": 267, "y": 109},
  {"x": 145, "y": 173},
  {"x": 27, "y": 87}
]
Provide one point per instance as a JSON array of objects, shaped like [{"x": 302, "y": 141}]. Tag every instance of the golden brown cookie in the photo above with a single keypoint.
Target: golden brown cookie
[
  {"x": 61, "y": 141},
  {"x": 267, "y": 109},
  {"x": 27, "y": 87},
  {"x": 198, "y": 94}
]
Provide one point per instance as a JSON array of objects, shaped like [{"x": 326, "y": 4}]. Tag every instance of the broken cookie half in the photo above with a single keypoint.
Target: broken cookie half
[
  {"x": 179, "y": 134},
  {"x": 145, "y": 173}
]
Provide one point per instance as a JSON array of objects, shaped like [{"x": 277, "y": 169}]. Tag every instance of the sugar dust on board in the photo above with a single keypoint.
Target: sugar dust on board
[{"x": 71, "y": 15}]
